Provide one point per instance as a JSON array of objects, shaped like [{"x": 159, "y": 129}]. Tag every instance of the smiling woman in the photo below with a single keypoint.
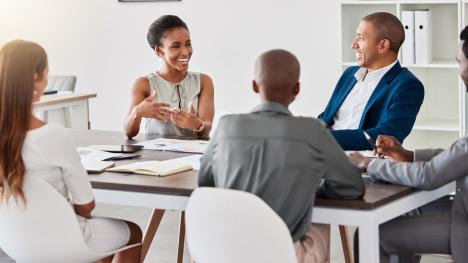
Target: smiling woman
[{"x": 171, "y": 100}]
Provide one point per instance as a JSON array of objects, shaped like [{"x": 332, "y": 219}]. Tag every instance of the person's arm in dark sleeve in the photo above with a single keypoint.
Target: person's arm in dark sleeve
[
  {"x": 342, "y": 180},
  {"x": 397, "y": 120}
]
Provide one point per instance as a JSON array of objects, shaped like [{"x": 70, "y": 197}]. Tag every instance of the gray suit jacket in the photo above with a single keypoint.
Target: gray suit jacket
[
  {"x": 282, "y": 159},
  {"x": 431, "y": 169}
]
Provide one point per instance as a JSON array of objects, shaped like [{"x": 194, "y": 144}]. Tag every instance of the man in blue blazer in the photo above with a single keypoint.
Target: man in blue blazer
[{"x": 378, "y": 96}]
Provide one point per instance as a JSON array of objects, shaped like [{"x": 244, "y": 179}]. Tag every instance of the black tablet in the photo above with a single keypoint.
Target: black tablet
[{"x": 117, "y": 148}]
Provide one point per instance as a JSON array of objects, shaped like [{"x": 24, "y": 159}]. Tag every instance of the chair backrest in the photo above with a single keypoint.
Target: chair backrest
[
  {"x": 232, "y": 226},
  {"x": 61, "y": 83},
  {"x": 45, "y": 230}
]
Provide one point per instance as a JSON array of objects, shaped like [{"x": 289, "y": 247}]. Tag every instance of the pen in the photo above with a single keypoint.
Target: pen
[
  {"x": 118, "y": 158},
  {"x": 372, "y": 143}
]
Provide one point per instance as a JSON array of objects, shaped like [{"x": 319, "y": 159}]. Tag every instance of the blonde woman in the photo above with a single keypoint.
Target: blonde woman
[{"x": 29, "y": 146}]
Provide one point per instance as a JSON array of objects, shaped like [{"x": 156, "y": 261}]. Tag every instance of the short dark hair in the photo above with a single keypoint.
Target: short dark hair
[
  {"x": 388, "y": 27},
  {"x": 160, "y": 26},
  {"x": 464, "y": 38}
]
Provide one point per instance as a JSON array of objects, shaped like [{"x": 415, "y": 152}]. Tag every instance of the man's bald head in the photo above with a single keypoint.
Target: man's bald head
[{"x": 277, "y": 76}]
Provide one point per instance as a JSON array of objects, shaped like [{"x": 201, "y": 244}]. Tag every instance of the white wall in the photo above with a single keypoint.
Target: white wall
[{"x": 103, "y": 42}]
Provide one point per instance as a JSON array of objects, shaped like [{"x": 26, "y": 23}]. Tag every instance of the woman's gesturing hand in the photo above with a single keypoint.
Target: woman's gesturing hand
[
  {"x": 149, "y": 109},
  {"x": 187, "y": 120}
]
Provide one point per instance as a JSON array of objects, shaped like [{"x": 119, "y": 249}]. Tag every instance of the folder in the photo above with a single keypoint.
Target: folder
[
  {"x": 407, "y": 49},
  {"x": 422, "y": 36}
]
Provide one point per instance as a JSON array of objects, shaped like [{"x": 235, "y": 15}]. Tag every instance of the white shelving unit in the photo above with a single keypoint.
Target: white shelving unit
[{"x": 442, "y": 117}]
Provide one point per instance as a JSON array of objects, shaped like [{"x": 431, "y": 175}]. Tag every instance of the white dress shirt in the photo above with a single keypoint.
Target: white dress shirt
[{"x": 350, "y": 113}]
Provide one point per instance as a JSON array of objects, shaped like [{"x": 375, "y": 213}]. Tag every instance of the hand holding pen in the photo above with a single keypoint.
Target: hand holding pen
[
  {"x": 391, "y": 147},
  {"x": 380, "y": 155}
]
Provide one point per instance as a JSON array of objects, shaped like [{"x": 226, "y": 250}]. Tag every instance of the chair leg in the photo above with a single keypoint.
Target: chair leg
[
  {"x": 153, "y": 225},
  {"x": 348, "y": 256},
  {"x": 180, "y": 248}
]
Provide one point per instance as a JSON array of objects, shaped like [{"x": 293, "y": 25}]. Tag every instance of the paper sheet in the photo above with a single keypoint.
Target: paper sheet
[
  {"x": 187, "y": 146},
  {"x": 88, "y": 154}
]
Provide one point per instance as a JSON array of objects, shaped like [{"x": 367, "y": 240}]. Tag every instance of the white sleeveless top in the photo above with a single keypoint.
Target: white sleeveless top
[{"x": 168, "y": 92}]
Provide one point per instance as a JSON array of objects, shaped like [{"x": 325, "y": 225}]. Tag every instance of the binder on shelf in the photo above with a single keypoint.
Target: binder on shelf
[
  {"x": 407, "y": 49},
  {"x": 422, "y": 36}
]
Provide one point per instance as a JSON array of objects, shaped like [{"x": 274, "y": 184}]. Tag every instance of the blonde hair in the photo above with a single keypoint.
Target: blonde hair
[{"x": 19, "y": 61}]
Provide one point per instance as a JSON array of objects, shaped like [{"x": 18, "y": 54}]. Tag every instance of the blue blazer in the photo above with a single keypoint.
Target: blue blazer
[{"x": 391, "y": 109}]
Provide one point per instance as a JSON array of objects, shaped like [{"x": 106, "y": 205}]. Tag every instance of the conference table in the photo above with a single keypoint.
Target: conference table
[{"x": 381, "y": 202}]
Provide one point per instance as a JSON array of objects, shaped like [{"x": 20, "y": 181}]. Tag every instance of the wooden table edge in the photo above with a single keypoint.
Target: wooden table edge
[{"x": 58, "y": 100}]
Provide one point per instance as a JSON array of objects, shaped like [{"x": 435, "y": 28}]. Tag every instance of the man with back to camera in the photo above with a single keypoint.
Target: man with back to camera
[
  {"x": 377, "y": 96},
  {"x": 442, "y": 227},
  {"x": 281, "y": 158}
]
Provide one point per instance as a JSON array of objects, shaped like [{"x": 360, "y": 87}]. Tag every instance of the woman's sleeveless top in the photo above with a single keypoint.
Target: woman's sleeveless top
[{"x": 168, "y": 92}]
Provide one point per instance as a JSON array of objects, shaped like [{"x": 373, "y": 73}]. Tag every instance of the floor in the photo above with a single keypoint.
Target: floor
[{"x": 163, "y": 249}]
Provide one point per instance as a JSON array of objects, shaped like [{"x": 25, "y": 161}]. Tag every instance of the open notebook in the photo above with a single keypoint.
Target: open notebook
[{"x": 159, "y": 168}]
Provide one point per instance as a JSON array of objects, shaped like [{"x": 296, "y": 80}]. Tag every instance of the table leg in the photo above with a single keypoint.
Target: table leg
[
  {"x": 348, "y": 255},
  {"x": 45, "y": 116},
  {"x": 150, "y": 232},
  {"x": 87, "y": 115},
  {"x": 369, "y": 243},
  {"x": 180, "y": 248},
  {"x": 68, "y": 118}
]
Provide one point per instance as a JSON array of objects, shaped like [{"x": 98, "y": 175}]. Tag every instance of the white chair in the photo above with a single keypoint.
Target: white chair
[
  {"x": 45, "y": 230},
  {"x": 61, "y": 83},
  {"x": 232, "y": 226},
  {"x": 65, "y": 83}
]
